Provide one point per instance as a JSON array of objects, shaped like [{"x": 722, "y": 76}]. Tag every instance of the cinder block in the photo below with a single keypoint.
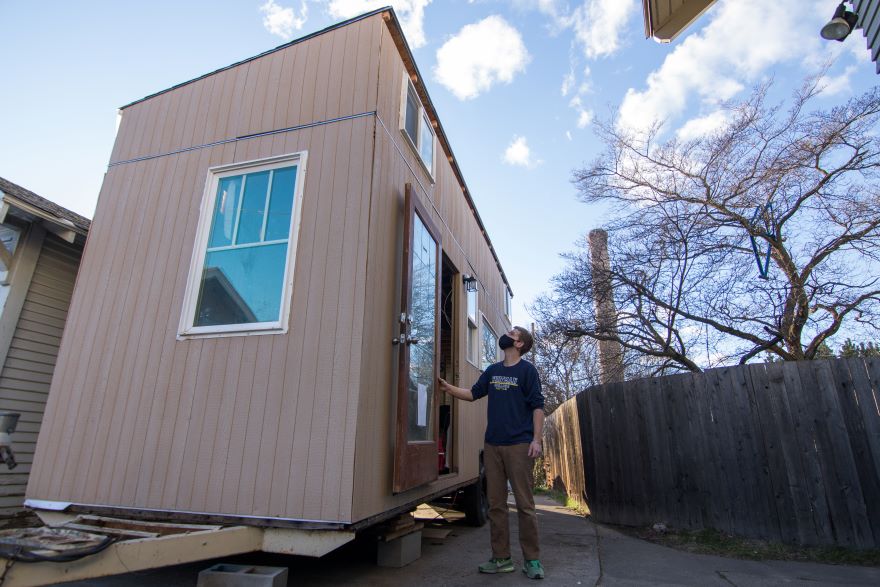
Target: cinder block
[
  {"x": 224, "y": 575},
  {"x": 400, "y": 551}
]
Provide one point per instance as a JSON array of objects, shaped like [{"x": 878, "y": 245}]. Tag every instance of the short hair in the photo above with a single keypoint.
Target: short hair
[{"x": 526, "y": 338}]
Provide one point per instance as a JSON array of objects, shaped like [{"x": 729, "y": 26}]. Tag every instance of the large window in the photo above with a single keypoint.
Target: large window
[
  {"x": 417, "y": 127},
  {"x": 241, "y": 271},
  {"x": 473, "y": 331},
  {"x": 490, "y": 347}
]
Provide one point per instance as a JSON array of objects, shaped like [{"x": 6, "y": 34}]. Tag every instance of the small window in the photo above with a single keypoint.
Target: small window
[
  {"x": 473, "y": 333},
  {"x": 490, "y": 346},
  {"x": 241, "y": 272},
  {"x": 507, "y": 304},
  {"x": 417, "y": 127}
]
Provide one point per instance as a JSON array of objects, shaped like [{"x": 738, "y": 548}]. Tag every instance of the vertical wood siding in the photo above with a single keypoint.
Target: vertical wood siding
[
  {"x": 396, "y": 164},
  {"x": 260, "y": 425},
  {"x": 27, "y": 372},
  {"x": 298, "y": 425}
]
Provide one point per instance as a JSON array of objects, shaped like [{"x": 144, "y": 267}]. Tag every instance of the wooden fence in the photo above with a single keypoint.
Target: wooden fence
[{"x": 788, "y": 452}]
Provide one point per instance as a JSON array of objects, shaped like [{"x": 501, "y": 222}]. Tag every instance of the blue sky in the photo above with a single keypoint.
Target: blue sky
[{"x": 516, "y": 84}]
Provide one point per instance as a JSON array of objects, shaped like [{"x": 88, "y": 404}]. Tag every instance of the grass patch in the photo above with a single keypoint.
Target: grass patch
[
  {"x": 563, "y": 499},
  {"x": 721, "y": 544}
]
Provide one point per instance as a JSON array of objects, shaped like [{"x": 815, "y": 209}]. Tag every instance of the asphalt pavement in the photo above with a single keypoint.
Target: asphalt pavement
[{"x": 574, "y": 550}]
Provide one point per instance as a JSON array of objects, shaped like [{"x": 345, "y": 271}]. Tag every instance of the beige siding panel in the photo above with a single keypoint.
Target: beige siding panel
[
  {"x": 25, "y": 376},
  {"x": 396, "y": 164}
]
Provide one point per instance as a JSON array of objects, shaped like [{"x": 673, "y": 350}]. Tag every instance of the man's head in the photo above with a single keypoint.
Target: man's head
[{"x": 523, "y": 336}]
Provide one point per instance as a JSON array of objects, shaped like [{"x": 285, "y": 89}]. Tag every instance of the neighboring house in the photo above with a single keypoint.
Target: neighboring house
[
  {"x": 285, "y": 257},
  {"x": 40, "y": 248},
  {"x": 868, "y": 12},
  {"x": 665, "y": 19}
]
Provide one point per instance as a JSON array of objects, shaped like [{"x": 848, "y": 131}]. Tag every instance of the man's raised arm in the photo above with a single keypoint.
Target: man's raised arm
[{"x": 459, "y": 392}]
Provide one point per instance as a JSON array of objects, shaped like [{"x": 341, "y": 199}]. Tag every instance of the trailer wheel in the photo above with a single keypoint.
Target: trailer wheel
[{"x": 476, "y": 501}]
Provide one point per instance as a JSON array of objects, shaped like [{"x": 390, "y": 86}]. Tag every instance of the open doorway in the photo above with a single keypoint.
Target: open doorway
[{"x": 448, "y": 365}]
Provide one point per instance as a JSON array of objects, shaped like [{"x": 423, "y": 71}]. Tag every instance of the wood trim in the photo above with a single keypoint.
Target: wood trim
[
  {"x": 679, "y": 20},
  {"x": 27, "y": 254}
]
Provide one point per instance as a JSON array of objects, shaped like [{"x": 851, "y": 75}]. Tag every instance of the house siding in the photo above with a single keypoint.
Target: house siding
[
  {"x": 27, "y": 372},
  {"x": 395, "y": 165},
  {"x": 869, "y": 22},
  {"x": 248, "y": 425}
]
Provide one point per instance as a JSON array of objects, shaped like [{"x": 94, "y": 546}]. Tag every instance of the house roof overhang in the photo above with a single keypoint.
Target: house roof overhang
[
  {"x": 28, "y": 206},
  {"x": 665, "y": 19}
]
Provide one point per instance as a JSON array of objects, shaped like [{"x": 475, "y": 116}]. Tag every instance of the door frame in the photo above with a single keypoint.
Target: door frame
[{"x": 415, "y": 462}]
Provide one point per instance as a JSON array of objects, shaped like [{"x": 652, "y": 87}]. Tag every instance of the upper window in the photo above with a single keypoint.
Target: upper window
[
  {"x": 507, "y": 303},
  {"x": 417, "y": 127},
  {"x": 490, "y": 346},
  {"x": 241, "y": 272}
]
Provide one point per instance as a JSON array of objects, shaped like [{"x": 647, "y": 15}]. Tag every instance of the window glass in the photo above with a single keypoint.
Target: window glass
[
  {"x": 242, "y": 276},
  {"x": 426, "y": 144},
  {"x": 411, "y": 123},
  {"x": 490, "y": 347},
  {"x": 253, "y": 206},
  {"x": 225, "y": 210},
  {"x": 472, "y": 306}
]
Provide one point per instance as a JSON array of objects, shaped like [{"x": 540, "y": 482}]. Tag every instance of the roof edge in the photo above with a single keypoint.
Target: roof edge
[{"x": 318, "y": 33}]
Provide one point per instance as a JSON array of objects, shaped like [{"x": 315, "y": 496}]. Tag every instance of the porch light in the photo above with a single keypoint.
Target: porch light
[
  {"x": 840, "y": 25},
  {"x": 470, "y": 282}
]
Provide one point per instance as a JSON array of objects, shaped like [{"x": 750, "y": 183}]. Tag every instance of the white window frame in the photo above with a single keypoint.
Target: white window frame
[
  {"x": 422, "y": 117},
  {"x": 473, "y": 326},
  {"x": 484, "y": 325},
  {"x": 508, "y": 311},
  {"x": 186, "y": 330}
]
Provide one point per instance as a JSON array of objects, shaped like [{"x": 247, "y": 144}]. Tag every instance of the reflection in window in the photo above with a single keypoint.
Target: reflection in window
[
  {"x": 473, "y": 333},
  {"x": 424, "y": 316},
  {"x": 243, "y": 271},
  {"x": 490, "y": 347}
]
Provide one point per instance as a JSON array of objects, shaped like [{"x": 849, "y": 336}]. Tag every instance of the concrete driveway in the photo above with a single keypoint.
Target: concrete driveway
[{"x": 574, "y": 552}]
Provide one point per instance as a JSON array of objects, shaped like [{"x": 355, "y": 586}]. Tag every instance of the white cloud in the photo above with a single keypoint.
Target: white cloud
[
  {"x": 567, "y": 83},
  {"x": 734, "y": 50},
  {"x": 568, "y": 134},
  {"x": 518, "y": 153},
  {"x": 702, "y": 126},
  {"x": 283, "y": 21},
  {"x": 585, "y": 117},
  {"x": 833, "y": 85},
  {"x": 479, "y": 56},
  {"x": 599, "y": 24},
  {"x": 410, "y": 12}
]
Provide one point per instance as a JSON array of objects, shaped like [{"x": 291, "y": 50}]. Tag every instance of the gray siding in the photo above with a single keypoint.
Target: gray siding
[
  {"x": 869, "y": 22},
  {"x": 27, "y": 371}
]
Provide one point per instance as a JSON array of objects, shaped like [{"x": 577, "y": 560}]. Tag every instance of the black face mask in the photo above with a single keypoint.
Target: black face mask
[{"x": 505, "y": 342}]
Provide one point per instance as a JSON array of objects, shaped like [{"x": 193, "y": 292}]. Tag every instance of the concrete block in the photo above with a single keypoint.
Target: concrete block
[
  {"x": 400, "y": 551},
  {"x": 224, "y": 575}
]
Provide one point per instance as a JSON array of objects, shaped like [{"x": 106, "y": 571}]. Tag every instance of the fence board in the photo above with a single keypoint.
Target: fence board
[{"x": 786, "y": 451}]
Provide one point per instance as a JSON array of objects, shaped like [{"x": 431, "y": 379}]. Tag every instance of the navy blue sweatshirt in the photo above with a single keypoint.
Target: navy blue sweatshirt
[{"x": 514, "y": 394}]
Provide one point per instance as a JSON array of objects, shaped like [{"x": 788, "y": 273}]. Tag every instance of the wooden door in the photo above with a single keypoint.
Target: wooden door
[{"x": 415, "y": 447}]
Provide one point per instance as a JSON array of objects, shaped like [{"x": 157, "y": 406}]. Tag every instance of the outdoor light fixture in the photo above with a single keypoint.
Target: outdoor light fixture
[
  {"x": 840, "y": 25},
  {"x": 8, "y": 423},
  {"x": 470, "y": 282}
]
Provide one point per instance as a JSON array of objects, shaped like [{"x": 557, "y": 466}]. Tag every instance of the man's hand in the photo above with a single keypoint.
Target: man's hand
[
  {"x": 535, "y": 449},
  {"x": 454, "y": 391}
]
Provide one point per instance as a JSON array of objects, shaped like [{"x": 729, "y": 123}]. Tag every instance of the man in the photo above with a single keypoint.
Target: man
[{"x": 513, "y": 439}]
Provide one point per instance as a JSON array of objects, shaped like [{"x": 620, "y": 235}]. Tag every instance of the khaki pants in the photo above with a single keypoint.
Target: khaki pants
[{"x": 503, "y": 464}]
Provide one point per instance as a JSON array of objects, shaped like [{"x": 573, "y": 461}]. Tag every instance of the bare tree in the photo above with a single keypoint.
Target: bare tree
[
  {"x": 796, "y": 189},
  {"x": 566, "y": 365}
]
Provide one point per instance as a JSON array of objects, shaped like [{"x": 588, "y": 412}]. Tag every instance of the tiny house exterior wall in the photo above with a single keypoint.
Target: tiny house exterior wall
[{"x": 294, "y": 425}]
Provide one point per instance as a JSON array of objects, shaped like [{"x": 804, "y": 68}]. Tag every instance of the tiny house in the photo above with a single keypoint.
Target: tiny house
[{"x": 284, "y": 258}]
